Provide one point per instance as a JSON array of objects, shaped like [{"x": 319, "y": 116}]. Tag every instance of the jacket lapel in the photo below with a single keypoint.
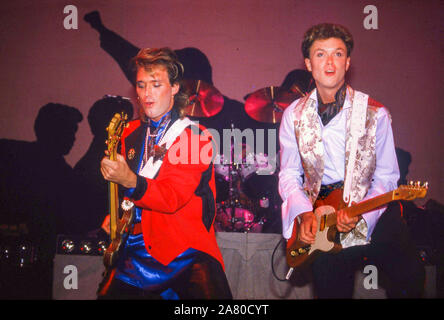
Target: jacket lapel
[{"x": 134, "y": 147}]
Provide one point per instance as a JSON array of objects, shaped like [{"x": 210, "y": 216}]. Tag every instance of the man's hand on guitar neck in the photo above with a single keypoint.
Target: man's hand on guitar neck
[
  {"x": 118, "y": 172},
  {"x": 344, "y": 223}
]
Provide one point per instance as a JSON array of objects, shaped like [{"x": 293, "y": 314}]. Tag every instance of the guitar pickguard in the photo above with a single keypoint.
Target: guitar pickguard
[{"x": 322, "y": 241}]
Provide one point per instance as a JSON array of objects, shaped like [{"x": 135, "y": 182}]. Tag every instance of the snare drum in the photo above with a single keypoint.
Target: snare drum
[{"x": 241, "y": 221}]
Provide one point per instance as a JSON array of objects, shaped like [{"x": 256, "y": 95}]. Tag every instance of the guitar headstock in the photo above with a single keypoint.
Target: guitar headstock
[
  {"x": 115, "y": 130},
  {"x": 411, "y": 191}
]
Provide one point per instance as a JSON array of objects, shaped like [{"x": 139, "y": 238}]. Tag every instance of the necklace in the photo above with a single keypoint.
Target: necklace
[{"x": 150, "y": 139}]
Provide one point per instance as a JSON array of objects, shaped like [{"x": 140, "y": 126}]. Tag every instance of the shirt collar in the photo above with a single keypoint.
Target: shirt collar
[
  {"x": 347, "y": 102},
  {"x": 155, "y": 124}
]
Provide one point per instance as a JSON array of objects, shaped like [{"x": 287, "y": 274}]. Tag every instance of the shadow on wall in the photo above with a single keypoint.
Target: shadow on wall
[
  {"x": 197, "y": 67},
  {"x": 42, "y": 196},
  {"x": 94, "y": 187},
  {"x": 37, "y": 192}
]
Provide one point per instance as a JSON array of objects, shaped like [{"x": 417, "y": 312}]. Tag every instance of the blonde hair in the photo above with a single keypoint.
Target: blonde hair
[{"x": 150, "y": 57}]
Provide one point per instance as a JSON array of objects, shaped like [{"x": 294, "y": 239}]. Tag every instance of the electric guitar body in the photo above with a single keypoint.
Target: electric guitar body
[{"x": 300, "y": 254}]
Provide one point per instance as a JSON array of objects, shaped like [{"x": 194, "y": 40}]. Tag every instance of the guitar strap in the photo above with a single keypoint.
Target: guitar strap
[
  {"x": 356, "y": 131},
  {"x": 356, "y": 124},
  {"x": 359, "y": 150},
  {"x": 152, "y": 167}
]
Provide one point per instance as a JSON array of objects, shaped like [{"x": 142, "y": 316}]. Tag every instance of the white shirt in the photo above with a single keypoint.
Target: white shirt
[{"x": 295, "y": 199}]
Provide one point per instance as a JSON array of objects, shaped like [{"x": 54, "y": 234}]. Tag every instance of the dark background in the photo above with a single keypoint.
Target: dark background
[{"x": 250, "y": 44}]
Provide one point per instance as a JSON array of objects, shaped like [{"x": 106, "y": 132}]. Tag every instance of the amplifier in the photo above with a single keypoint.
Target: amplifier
[{"x": 78, "y": 267}]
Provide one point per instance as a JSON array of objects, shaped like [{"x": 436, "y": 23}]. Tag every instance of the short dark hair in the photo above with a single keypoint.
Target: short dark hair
[{"x": 325, "y": 31}]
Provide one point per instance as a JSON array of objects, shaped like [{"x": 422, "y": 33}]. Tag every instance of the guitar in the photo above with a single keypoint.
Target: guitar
[
  {"x": 300, "y": 254},
  {"x": 118, "y": 226}
]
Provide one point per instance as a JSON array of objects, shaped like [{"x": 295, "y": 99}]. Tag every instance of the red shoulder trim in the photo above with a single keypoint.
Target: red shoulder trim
[{"x": 372, "y": 102}]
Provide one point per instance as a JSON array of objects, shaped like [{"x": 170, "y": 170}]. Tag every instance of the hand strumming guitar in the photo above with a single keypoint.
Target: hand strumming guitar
[
  {"x": 307, "y": 230},
  {"x": 308, "y": 226}
]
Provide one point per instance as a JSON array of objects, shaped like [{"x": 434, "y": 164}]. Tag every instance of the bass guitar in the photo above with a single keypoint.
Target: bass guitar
[
  {"x": 122, "y": 216},
  {"x": 300, "y": 254}
]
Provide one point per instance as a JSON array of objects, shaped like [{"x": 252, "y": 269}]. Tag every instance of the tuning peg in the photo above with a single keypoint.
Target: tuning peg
[{"x": 413, "y": 183}]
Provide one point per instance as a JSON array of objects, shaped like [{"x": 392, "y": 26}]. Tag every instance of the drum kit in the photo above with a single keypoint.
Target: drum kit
[
  {"x": 244, "y": 190},
  {"x": 245, "y": 182}
]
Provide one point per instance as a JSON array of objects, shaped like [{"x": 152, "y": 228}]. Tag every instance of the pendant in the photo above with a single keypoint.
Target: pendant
[{"x": 131, "y": 154}]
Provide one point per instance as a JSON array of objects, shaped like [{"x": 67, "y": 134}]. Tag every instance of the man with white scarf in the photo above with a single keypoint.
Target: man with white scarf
[{"x": 337, "y": 137}]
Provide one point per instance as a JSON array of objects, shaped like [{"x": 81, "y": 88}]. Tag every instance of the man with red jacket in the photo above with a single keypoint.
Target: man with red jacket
[{"x": 165, "y": 166}]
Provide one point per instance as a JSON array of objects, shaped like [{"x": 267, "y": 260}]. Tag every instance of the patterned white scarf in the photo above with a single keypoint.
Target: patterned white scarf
[{"x": 360, "y": 156}]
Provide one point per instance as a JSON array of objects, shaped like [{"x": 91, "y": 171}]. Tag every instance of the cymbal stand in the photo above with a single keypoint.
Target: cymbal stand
[
  {"x": 276, "y": 107},
  {"x": 233, "y": 174}
]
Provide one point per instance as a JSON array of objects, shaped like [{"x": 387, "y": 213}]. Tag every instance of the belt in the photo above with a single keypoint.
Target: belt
[
  {"x": 327, "y": 189},
  {"x": 137, "y": 229}
]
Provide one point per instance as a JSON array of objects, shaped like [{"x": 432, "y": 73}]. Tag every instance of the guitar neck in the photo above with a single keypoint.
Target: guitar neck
[
  {"x": 113, "y": 203},
  {"x": 364, "y": 206},
  {"x": 115, "y": 130},
  {"x": 369, "y": 204},
  {"x": 113, "y": 209}
]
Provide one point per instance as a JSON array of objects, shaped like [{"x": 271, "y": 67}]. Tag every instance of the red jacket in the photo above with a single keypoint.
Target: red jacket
[{"x": 178, "y": 205}]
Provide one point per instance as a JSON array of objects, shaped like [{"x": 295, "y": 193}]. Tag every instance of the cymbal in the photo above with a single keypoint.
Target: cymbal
[
  {"x": 268, "y": 104},
  {"x": 205, "y": 100}
]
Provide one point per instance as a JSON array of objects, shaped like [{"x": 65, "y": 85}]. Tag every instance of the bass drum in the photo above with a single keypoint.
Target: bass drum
[{"x": 241, "y": 221}]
